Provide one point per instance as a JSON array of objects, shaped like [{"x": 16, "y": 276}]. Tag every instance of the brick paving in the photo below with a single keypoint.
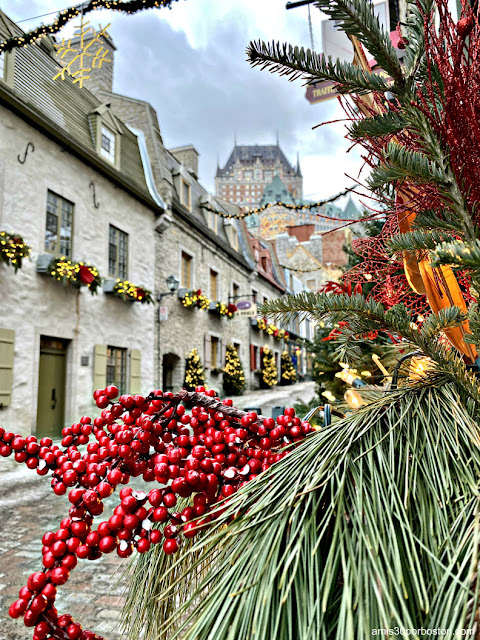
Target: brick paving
[{"x": 28, "y": 508}]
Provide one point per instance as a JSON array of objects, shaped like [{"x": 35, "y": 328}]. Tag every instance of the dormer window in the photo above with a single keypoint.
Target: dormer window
[
  {"x": 212, "y": 221},
  {"x": 6, "y": 66},
  {"x": 185, "y": 194},
  {"x": 2, "y": 66},
  {"x": 107, "y": 144}
]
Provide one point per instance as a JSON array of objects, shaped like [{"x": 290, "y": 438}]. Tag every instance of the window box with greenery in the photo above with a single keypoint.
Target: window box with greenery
[
  {"x": 13, "y": 249},
  {"x": 75, "y": 274},
  {"x": 127, "y": 291},
  {"x": 223, "y": 309},
  {"x": 194, "y": 299}
]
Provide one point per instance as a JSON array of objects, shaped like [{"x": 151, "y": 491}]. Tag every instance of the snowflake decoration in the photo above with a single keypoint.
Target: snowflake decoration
[{"x": 84, "y": 57}]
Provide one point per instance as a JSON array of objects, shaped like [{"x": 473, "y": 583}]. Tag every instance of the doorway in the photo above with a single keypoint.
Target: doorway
[
  {"x": 170, "y": 371},
  {"x": 51, "y": 387}
]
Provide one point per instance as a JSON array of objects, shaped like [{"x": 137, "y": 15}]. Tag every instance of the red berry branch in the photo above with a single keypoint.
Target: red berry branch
[{"x": 206, "y": 455}]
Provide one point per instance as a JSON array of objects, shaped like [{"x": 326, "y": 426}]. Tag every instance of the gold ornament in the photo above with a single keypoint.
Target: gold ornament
[{"x": 84, "y": 56}]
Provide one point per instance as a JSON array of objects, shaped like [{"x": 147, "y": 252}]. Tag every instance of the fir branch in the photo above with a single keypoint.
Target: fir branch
[
  {"x": 380, "y": 125},
  {"x": 357, "y": 18},
  {"x": 403, "y": 164},
  {"x": 458, "y": 254},
  {"x": 365, "y": 315},
  {"x": 297, "y": 62},
  {"x": 431, "y": 219},
  {"x": 417, "y": 240},
  {"x": 414, "y": 54}
]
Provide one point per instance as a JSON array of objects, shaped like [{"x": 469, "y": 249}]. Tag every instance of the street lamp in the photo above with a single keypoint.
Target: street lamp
[{"x": 172, "y": 284}]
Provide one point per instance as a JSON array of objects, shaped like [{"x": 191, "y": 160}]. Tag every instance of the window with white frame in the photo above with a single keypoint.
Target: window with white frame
[
  {"x": 2, "y": 66},
  {"x": 59, "y": 223},
  {"x": 107, "y": 144}
]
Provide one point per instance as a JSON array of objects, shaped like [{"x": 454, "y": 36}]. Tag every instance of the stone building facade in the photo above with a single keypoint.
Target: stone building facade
[{"x": 64, "y": 196}]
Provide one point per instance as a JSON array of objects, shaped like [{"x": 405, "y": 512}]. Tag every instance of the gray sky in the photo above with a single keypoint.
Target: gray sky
[{"x": 189, "y": 63}]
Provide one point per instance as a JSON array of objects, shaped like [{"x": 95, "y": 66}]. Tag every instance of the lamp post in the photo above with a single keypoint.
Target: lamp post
[{"x": 172, "y": 284}]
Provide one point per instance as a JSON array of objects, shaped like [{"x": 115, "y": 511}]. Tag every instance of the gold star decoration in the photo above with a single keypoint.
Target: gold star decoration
[{"x": 87, "y": 53}]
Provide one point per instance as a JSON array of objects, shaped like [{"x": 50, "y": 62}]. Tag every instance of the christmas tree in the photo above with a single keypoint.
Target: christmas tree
[
  {"x": 288, "y": 375},
  {"x": 269, "y": 368},
  {"x": 233, "y": 375},
  {"x": 194, "y": 372}
]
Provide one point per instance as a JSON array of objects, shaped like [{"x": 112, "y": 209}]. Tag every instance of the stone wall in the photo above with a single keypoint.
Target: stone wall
[{"x": 34, "y": 304}]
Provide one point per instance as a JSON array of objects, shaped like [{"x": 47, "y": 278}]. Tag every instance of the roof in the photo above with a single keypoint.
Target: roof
[
  {"x": 66, "y": 113},
  {"x": 269, "y": 156},
  {"x": 276, "y": 191}
]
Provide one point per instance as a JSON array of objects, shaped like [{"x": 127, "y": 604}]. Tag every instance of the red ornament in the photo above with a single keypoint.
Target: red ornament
[{"x": 85, "y": 275}]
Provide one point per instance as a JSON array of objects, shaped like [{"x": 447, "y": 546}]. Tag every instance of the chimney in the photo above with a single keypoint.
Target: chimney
[
  {"x": 100, "y": 78},
  {"x": 188, "y": 156}
]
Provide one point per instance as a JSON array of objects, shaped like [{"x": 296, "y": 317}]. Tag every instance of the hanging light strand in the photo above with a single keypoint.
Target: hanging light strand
[
  {"x": 63, "y": 17},
  {"x": 294, "y": 207}
]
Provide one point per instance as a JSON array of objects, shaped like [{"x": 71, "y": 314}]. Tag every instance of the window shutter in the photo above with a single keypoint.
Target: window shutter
[
  {"x": 100, "y": 367},
  {"x": 222, "y": 354},
  {"x": 135, "y": 371},
  {"x": 7, "y": 338},
  {"x": 207, "y": 351},
  {"x": 252, "y": 357}
]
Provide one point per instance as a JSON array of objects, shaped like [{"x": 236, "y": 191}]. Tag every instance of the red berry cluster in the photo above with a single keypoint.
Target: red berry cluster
[{"x": 208, "y": 454}]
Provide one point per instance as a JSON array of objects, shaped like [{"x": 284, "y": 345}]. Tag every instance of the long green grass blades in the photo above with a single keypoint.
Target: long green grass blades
[{"x": 371, "y": 523}]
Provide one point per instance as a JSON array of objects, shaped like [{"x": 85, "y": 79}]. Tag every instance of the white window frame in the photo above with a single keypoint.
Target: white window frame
[{"x": 109, "y": 135}]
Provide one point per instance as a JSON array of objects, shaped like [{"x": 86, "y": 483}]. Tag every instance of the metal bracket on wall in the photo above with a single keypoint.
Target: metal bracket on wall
[
  {"x": 95, "y": 203},
  {"x": 31, "y": 146}
]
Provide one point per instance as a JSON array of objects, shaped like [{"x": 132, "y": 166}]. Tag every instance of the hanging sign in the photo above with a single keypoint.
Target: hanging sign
[{"x": 246, "y": 309}]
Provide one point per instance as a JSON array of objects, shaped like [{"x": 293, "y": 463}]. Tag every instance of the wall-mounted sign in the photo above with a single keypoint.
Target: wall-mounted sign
[
  {"x": 246, "y": 309},
  {"x": 162, "y": 314}
]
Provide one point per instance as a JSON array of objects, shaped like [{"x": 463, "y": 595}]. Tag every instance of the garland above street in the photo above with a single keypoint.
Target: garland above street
[{"x": 63, "y": 17}]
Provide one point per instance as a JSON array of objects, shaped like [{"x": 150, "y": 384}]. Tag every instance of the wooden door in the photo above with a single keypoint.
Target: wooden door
[{"x": 51, "y": 388}]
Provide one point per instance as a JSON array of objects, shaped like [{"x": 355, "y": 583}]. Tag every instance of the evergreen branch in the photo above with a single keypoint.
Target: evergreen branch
[
  {"x": 297, "y": 62},
  {"x": 431, "y": 219},
  {"x": 417, "y": 240},
  {"x": 458, "y": 254},
  {"x": 380, "y": 125},
  {"x": 414, "y": 54},
  {"x": 357, "y": 18},
  {"x": 365, "y": 315},
  {"x": 403, "y": 164}
]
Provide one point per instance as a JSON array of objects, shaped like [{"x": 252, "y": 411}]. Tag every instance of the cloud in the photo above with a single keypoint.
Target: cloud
[{"x": 189, "y": 63}]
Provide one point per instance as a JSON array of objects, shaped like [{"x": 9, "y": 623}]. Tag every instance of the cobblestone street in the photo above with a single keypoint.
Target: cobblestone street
[{"x": 28, "y": 508}]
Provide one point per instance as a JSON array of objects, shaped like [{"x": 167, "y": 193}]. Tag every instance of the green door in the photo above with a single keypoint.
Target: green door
[{"x": 51, "y": 388}]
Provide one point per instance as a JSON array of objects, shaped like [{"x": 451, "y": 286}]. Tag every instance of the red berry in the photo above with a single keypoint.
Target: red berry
[
  {"x": 170, "y": 546},
  {"x": 59, "y": 575}
]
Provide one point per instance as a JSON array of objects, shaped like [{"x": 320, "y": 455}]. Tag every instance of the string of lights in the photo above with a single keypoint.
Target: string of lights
[
  {"x": 285, "y": 266},
  {"x": 295, "y": 207},
  {"x": 63, "y": 17}
]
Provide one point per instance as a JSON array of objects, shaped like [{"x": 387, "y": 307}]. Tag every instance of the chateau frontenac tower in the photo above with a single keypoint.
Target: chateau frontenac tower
[{"x": 250, "y": 168}]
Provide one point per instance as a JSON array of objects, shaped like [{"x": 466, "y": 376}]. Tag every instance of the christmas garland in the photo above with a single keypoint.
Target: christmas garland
[
  {"x": 131, "y": 6},
  {"x": 123, "y": 436},
  {"x": 13, "y": 249},
  {"x": 131, "y": 293},
  {"x": 78, "y": 274},
  {"x": 295, "y": 207}
]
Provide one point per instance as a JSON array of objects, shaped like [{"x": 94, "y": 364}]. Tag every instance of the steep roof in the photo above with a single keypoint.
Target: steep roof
[
  {"x": 276, "y": 191},
  {"x": 64, "y": 112},
  {"x": 269, "y": 156},
  {"x": 351, "y": 211}
]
